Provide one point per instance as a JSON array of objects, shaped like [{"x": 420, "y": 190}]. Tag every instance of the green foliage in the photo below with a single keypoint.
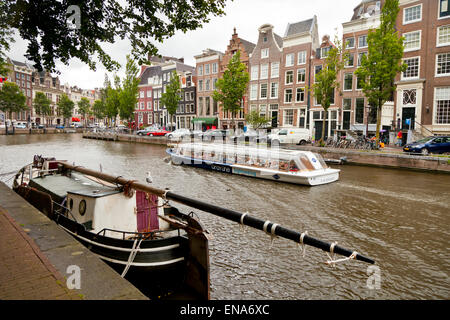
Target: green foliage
[
  {"x": 42, "y": 104},
  {"x": 256, "y": 120},
  {"x": 172, "y": 96},
  {"x": 5, "y": 38},
  {"x": 112, "y": 99},
  {"x": 98, "y": 109},
  {"x": 231, "y": 88},
  {"x": 84, "y": 107},
  {"x": 12, "y": 98},
  {"x": 128, "y": 95},
  {"x": 382, "y": 64},
  {"x": 65, "y": 106},
  {"x": 327, "y": 80},
  {"x": 44, "y": 25}
]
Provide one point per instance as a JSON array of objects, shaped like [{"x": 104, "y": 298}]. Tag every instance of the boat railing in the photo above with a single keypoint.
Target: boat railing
[{"x": 127, "y": 235}]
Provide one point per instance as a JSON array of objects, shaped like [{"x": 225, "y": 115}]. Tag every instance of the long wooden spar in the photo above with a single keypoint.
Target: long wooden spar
[{"x": 239, "y": 217}]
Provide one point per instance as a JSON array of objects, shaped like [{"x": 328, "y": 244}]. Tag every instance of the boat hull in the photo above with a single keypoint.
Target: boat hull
[{"x": 311, "y": 179}]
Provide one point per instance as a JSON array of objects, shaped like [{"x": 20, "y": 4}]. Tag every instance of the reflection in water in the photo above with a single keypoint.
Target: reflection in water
[{"x": 397, "y": 217}]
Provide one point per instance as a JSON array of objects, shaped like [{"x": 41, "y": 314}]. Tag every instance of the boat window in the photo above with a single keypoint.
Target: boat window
[
  {"x": 321, "y": 160},
  {"x": 306, "y": 163},
  {"x": 292, "y": 166},
  {"x": 241, "y": 159},
  {"x": 274, "y": 164},
  {"x": 231, "y": 158},
  {"x": 283, "y": 165}
]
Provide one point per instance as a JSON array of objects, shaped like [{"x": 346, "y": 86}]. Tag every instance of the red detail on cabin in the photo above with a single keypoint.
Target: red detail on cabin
[{"x": 147, "y": 211}]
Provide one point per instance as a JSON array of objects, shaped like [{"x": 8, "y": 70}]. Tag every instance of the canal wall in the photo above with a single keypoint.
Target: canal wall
[
  {"x": 112, "y": 136},
  {"x": 40, "y": 131},
  {"x": 97, "y": 280},
  {"x": 383, "y": 159}
]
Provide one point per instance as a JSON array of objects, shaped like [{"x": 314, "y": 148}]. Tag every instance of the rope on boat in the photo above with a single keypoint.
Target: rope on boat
[
  {"x": 332, "y": 262},
  {"x": 133, "y": 253}
]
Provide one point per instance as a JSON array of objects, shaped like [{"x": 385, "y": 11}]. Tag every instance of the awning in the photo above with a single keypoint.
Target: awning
[
  {"x": 205, "y": 120},
  {"x": 75, "y": 119}
]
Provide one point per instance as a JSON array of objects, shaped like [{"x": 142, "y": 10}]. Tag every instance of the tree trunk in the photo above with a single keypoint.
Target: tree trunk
[
  {"x": 377, "y": 138},
  {"x": 321, "y": 141}
]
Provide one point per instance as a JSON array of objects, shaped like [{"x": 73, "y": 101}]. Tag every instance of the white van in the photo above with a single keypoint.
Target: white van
[{"x": 291, "y": 135}]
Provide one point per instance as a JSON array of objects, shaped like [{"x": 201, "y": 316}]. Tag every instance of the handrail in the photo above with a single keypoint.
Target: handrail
[{"x": 269, "y": 227}]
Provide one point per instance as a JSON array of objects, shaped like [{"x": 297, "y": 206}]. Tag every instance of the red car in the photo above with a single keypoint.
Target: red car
[{"x": 157, "y": 133}]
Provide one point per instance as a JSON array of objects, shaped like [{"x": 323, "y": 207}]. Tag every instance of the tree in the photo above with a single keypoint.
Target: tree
[
  {"x": 57, "y": 30},
  {"x": 256, "y": 120},
  {"x": 112, "y": 100},
  {"x": 382, "y": 64},
  {"x": 326, "y": 81},
  {"x": 98, "y": 109},
  {"x": 129, "y": 93},
  {"x": 5, "y": 39},
  {"x": 84, "y": 107},
  {"x": 232, "y": 86},
  {"x": 172, "y": 96},
  {"x": 12, "y": 99},
  {"x": 65, "y": 107},
  {"x": 42, "y": 104}
]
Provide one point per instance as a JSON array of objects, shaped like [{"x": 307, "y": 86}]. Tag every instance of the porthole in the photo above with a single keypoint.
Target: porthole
[{"x": 82, "y": 207}]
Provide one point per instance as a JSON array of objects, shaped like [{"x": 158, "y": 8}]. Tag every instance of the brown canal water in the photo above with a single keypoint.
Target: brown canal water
[{"x": 399, "y": 218}]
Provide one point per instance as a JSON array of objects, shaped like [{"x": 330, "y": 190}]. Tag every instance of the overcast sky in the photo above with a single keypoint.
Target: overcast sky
[{"x": 246, "y": 15}]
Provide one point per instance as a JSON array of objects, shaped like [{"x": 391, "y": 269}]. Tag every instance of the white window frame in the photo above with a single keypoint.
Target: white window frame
[
  {"x": 435, "y": 106},
  {"x": 253, "y": 92},
  {"x": 420, "y": 41},
  {"x": 438, "y": 34},
  {"x": 436, "y": 69},
  {"x": 292, "y": 95},
  {"x": 285, "y": 77},
  {"x": 343, "y": 81},
  {"x": 291, "y": 60},
  {"x": 304, "y": 94},
  {"x": 367, "y": 38},
  {"x": 415, "y": 77},
  {"x": 200, "y": 70},
  {"x": 264, "y": 75},
  {"x": 207, "y": 69},
  {"x": 215, "y": 68},
  {"x": 301, "y": 54},
  {"x": 416, "y": 20},
  {"x": 439, "y": 11},
  {"x": 260, "y": 90},
  {"x": 354, "y": 42},
  {"x": 272, "y": 65},
  {"x": 304, "y": 69},
  {"x": 264, "y": 53},
  {"x": 285, "y": 117},
  {"x": 254, "y": 72},
  {"x": 276, "y": 89}
]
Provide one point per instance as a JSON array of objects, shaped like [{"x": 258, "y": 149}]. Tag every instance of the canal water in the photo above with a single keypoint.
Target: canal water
[{"x": 399, "y": 218}]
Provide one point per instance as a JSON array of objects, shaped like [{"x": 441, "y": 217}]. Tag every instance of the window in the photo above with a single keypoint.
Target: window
[
  {"x": 149, "y": 93},
  {"x": 263, "y": 91},
  {"x": 317, "y": 69},
  {"x": 275, "y": 70},
  {"x": 207, "y": 66},
  {"x": 253, "y": 107},
  {"x": 362, "y": 42},
  {"x": 325, "y": 51},
  {"x": 254, "y": 92},
  {"x": 444, "y": 9},
  {"x": 348, "y": 81},
  {"x": 288, "y": 117},
  {"x": 351, "y": 60},
  {"x": 262, "y": 110},
  {"x": 200, "y": 70},
  {"x": 200, "y": 85},
  {"x": 360, "y": 57},
  {"x": 301, "y": 57},
  {"x": 264, "y": 71},
  {"x": 264, "y": 53},
  {"x": 254, "y": 72},
  {"x": 214, "y": 83},
  {"x": 412, "y": 41},
  {"x": 359, "y": 110},
  {"x": 300, "y": 95},
  {"x": 149, "y": 105},
  {"x": 289, "y": 60},
  {"x": 265, "y": 39},
  {"x": 442, "y": 102},
  {"x": 289, "y": 77},
  {"x": 274, "y": 90},
  {"x": 141, "y": 94},
  {"x": 200, "y": 106},
  {"x": 207, "y": 84},
  {"x": 443, "y": 64},
  {"x": 359, "y": 83},
  {"x": 301, "y": 75},
  {"x": 443, "y": 36},
  {"x": 413, "y": 68},
  {"x": 214, "y": 67},
  {"x": 347, "y": 104},
  {"x": 409, "y": 97},
  {"x": 288, "y": 95},
  {"x": 412, "y": 14},
  {"x": 350, "y": 42}
]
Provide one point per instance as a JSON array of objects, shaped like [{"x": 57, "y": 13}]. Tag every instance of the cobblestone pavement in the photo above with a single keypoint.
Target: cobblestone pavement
[{"x": 25, "y": 273}]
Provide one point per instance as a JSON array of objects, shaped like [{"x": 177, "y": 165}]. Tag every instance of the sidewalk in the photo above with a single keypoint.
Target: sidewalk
[{"x": 25, "y": 273}]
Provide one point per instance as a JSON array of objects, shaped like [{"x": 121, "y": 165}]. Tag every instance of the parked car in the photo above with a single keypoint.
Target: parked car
[
  {"x": 214, "y": 134},
  {"x": 59, "y": 126},
  {"x": 143, "y": 132},
  {"x": 179, "y": 133},
  {"x": 20, "y": 126},
  {"x": 425, "y": 146},
  {"x": 290, "y": 135},
  {"x": 159, "y": 132}
]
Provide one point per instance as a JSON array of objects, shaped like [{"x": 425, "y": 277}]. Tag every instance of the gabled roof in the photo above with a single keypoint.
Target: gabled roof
[
  {"x": 278, "y": 39},
  {"x": 299, "y": 27},
  {"x": 248, "y": 46}
]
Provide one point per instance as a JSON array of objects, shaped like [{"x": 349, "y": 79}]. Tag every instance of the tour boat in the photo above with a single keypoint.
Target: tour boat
[
  {"x": 136, "y": 232},
  {"x": 292, "y": 166}
]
